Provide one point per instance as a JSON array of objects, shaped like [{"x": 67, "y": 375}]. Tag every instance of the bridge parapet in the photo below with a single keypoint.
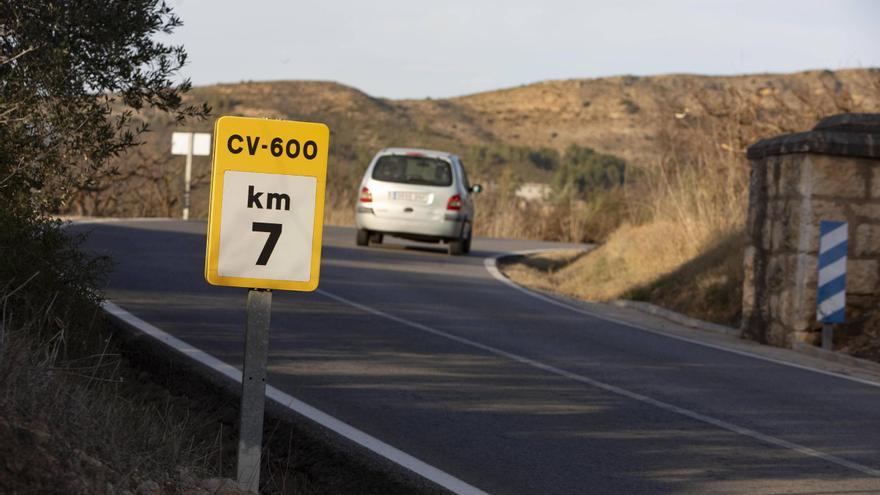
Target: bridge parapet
[{"x": 797, "y": 180}]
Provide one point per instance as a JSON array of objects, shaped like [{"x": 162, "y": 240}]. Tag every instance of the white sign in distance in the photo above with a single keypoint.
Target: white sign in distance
[
  {"x": 266, "y": 228},
  {"x": 201, "y": 143}
]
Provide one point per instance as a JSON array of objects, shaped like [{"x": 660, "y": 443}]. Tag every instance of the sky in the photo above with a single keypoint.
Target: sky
[{"x": 417, "y": 49}]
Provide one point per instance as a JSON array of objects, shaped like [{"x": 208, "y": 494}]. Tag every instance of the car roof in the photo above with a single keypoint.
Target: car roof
[{"x": 429, "y": 153}]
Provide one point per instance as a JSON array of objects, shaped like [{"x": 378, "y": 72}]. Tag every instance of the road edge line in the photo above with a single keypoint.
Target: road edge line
[
  {"x": 371, "y": 443},
  {"x": 491, "y": 265},
  {"x": 666, "y": 406}
]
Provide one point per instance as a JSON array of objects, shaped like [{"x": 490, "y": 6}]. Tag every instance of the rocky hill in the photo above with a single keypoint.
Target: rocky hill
[
  {"x": 625, "y": 115},
  {"x": 642, "y": 119},
  {"x": 616, "y": 115}
]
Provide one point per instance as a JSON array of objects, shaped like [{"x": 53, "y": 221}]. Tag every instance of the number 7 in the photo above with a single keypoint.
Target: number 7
[{"x": 274, "y": 230}]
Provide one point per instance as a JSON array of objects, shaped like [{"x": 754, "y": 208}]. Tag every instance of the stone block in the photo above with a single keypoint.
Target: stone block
[
  {"x": 861, "y": 304},
  {"x": 766, "y": 234},
  {"x": 807, "y": 337},
  {"x": 838, "y": 177},
  {"x": 807, "y": 266},
  {"x": 790, "y": 169},
  {"x": 827, "y": 210},
  {"x": 771, "y": 165},
  {"x": 748, "y": 300},
  {"x": 800, "y": 229},
  {"x": 774, "y": 208},
  {"x": 774, "y": 308},
  {"x": 820, "y": 210},
  {"x": 777, "y": 334},
  {"x": 866, "y": 212},
  {"x": 867, "y": 241},
  {"x": 777, "y": 233},
  {"x": 775, "y": 274},
  {"x": 862, "y": 276},
  {"x": 875, "y": 181},
  {"x": 804, "y": 291},
  {"x": 786, "y": 308},
  {"x": 805, "y": 183},
  {"x": 789, "y": 225}
]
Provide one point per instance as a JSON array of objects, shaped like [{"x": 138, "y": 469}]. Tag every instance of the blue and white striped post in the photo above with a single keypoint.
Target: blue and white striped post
[{"x": 831, "y": 297}]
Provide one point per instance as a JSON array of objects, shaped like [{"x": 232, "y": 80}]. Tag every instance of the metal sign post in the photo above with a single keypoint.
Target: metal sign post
[
  {"x": 187, "y": 178},
  {"x": 189, "y": 144},
  {"x": 253, "y": 388},
  {"x": 265, "y": 225},
  {"x": 831, "y": 294}
]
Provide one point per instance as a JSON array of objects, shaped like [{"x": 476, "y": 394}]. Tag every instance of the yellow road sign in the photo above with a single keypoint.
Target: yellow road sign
[{"x": 266, "y": 212}]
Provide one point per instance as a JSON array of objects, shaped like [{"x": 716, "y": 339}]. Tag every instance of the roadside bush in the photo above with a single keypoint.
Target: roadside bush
[
  {"x": 72, "y": 76},
  {"x": 583, "y": 172},
  {"x": 49, "y": 285}
]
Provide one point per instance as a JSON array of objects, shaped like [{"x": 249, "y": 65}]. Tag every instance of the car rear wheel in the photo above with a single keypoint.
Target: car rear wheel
[
  {"x": 376, "y": 237},
  {"x": 456, "y": 247},
  {"x": 462, "y": 245},
  {"x": 363, "y": 237}
]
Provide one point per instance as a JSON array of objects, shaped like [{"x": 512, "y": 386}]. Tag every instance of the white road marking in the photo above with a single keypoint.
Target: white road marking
[
  {"x": 381, "y": 448},
  {"x": 725, "y": 425},
  {"x": 491, "y": 264}
]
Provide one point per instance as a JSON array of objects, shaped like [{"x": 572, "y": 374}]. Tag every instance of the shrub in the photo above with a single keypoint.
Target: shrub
[{"x": 584, "y": 171}]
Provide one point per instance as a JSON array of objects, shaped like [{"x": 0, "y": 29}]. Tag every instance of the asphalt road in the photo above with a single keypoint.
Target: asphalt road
[{"x": 507, "y": 392}]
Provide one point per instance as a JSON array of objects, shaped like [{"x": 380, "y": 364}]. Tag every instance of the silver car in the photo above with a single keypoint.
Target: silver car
[{"x": 416, "y": 194}]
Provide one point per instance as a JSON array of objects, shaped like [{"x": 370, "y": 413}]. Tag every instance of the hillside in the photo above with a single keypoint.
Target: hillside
[
  {"x": 616, "y": 115},
  {"x": 624, "y": 115},
  {"x": 642, "y": 119}
]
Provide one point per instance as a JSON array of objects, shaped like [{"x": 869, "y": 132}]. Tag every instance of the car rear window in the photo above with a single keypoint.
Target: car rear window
[{"x": 413, "y": 170}]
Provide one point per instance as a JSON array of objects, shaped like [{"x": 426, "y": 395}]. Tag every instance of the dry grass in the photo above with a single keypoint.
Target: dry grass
[
  {"x": 91, "y": 424},
  {"x": 657, "y": 262},
  {"x": 339, "y": 209},
  {"x": 614, "y": 268},
  {"x": 682, "y": 247},
  {"x": 708, "y": 287}
]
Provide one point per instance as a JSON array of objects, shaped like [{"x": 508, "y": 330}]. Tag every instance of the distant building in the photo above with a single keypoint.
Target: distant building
[{"x": 534, "y": 191}]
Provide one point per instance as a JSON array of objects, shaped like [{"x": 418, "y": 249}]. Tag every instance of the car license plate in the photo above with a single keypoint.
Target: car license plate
[{"x": 408, "y": 196}]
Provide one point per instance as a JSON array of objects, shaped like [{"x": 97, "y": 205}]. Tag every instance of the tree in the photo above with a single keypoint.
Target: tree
[
  {"x": 583, "y": 171},
  {"x": 73, "y": 74}
]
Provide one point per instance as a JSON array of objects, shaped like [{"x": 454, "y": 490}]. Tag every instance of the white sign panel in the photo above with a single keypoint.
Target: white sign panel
[
  {"x": 180, "y": 143},
  {"x": 267, "y": 226},
  {"x": 201, "y": 143}
]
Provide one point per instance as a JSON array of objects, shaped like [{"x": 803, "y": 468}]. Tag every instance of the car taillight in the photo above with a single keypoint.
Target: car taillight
[
  {"x": 366, "y": 195},
  {"x": 454, "y": 203}
]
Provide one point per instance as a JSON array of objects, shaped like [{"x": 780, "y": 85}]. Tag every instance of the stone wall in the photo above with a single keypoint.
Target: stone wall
[{"x": 829, "y": 173}]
